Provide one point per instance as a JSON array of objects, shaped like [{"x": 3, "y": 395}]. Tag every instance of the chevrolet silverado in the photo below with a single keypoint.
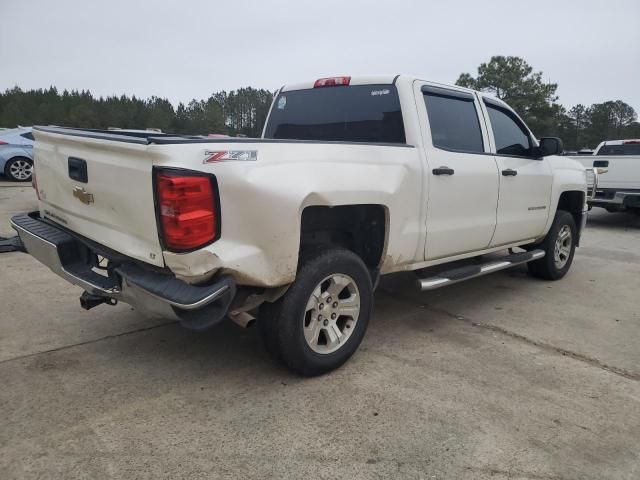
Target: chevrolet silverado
[{"x": 353, "y": 178}]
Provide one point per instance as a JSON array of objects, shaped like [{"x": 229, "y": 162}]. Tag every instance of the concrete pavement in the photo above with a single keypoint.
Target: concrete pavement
[{"x": 502, "y": 377}]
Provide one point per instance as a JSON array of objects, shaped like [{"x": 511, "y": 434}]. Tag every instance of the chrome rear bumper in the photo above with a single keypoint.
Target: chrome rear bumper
[{"x": 155, "y": 293}]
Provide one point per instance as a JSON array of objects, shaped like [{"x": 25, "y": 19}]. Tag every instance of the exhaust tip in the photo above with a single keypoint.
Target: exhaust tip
[{"x": 244, "y": 319}]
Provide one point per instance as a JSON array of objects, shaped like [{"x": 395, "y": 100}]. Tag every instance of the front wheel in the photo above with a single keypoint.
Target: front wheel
[
  {"x": 321, "y": 320},
  {"x": 559, "y": 246}
]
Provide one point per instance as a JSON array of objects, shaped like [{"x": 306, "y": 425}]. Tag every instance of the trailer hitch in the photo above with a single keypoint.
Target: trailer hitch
[
  {"x": 88, "y": 300},
  {"x": 11, "y": 244}
]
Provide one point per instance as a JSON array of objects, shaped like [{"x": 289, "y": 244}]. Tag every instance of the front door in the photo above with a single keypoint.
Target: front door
[
  {"x": 525, "y": 178},
  {"x": 462, "y": 174}
]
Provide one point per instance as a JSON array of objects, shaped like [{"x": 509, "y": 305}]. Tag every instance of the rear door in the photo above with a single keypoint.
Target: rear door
[
  {"x": 462, "y": 176},
  {"x": 525, "y": 178}
]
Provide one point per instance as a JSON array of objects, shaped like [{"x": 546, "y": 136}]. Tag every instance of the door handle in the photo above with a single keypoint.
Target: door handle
[
  {"x": 443, "y": 171},
  {"x": 509, "y": 172}
]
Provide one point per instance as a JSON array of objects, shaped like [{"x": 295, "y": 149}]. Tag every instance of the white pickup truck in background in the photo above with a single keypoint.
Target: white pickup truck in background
[
  {"x": 619, "y": 188},
  {"x": 353, "y": 178}
]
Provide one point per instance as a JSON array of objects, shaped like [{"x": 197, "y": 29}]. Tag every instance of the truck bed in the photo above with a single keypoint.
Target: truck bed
[{"x": 115, "y": 205}]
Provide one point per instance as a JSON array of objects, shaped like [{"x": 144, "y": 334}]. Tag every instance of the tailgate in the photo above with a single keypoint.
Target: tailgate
[
  {"x": 113, "y": 204},
  {"x": 623, "y": 171}
]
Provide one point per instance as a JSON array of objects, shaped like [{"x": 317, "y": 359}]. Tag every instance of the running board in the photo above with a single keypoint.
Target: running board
[{"x": 461, "y": 274}]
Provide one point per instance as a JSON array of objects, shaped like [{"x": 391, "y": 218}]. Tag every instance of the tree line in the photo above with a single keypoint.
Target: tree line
[
  {"x": 513, "y": 80},
  {"x": 243, "y": 111},
  {"x": 238, "y": 112}
]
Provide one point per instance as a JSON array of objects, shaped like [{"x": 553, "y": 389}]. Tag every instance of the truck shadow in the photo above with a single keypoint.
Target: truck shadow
[
  {"x": 170, "y": 354},
  {"x": 599, "y": 217},
  {"x": 227, "y": 349}
]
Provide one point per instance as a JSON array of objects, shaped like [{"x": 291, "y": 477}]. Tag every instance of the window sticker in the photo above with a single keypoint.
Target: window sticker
[
  {"x": 384, "y": 91},
  {"x": 282, "y": 102}
]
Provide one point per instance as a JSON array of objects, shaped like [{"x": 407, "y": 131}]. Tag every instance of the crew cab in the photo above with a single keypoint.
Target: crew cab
[
  {"x": 353, "y": 178},
  {"x": 618, "y": 189}
]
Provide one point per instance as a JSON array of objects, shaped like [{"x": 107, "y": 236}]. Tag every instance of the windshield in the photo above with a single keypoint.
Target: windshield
[{"x": 359, "y": 113}]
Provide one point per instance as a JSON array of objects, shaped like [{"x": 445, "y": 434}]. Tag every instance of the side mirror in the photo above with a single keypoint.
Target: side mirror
[{"x": 550, "y": 146}]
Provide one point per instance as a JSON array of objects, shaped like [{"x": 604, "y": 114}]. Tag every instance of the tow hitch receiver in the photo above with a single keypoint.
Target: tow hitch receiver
[
  {"x": 11, "y": 244},
  {"x": 88, "y": 301}
]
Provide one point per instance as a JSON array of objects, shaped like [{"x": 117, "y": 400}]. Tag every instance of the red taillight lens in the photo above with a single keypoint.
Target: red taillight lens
[
  {"x": 3, "y": 143},
  {"x": 187, "y": 210},
  {"x": 331, "y": 82}
]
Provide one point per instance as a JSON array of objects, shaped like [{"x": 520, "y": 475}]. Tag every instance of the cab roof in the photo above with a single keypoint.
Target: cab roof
[
  {"x": 385, "y": 79},
  {"x": 354, "y": 80}
]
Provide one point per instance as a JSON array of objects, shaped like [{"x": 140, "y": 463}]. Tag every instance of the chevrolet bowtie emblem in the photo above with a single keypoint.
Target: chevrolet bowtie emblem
[{"x": 82, "y": 195}]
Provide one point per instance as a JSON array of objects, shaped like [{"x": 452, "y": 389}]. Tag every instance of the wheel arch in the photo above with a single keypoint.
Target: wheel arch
[
  {"x": 361, "y": 228},
  {"x": 572, "y": 201}
]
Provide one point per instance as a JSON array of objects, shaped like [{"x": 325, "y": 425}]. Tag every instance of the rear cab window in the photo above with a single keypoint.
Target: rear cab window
[
  {"x": 354, "y": 113},
  {"x": 624, "y": 149}
]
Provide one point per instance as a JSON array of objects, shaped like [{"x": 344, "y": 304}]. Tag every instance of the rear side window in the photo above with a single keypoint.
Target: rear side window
[
  {"x": 624, "y": 149},
  {"x": 358, "y": 113},
  {"x": 510, "y": 135},
  {"x": 453, "y": 120},
  {"x": 28, "y": 136}
]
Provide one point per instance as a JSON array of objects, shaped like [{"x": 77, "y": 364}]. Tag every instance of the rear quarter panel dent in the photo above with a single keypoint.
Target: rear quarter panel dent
[{"x": 262, "y": 201}]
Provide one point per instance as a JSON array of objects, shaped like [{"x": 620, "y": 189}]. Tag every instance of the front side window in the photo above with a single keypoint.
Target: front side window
[
  {"x": 511, "y": 137},
  {"x": 453, "y": 120}
]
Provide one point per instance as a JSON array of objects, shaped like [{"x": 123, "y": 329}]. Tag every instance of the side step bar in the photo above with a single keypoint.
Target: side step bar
[{"x": 465, "y": 273}]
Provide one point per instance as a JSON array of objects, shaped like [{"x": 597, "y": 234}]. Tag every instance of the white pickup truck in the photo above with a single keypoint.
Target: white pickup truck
[
  {"x": 619, "y": 188},
  {"x": 353, "y": 178}
]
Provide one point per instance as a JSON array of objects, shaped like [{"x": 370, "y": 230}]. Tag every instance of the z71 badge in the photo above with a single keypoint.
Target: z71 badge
[{"x": 230, "y": 156}]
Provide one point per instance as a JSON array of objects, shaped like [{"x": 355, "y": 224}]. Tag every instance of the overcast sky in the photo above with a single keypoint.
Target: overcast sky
[{"x": 191, "y": 48}]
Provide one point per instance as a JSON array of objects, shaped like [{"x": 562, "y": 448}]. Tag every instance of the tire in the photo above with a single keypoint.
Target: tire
[
  {"x": 18, "y": 169},
  {"x": 556, "y": 263},
  {"x": 309, "y": 332}
]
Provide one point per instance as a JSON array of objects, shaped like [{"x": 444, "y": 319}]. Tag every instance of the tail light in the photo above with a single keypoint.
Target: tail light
[
  {"x": 187, "y": 209},
  {"x": 332, "y": 82},
  {"x": 3, "y": 142}
]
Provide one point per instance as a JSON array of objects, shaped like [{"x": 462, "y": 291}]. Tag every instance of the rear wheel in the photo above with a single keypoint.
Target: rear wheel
[
  {"x": 19, "y": 169},
  {"x": 321, "y": 320},
  {"x": 559, "y": 246}
]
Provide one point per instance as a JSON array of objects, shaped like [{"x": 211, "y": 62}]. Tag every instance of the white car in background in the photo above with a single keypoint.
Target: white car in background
[
  {"x": 619, "y": 188},
  {"x": 16, "y": 154}
]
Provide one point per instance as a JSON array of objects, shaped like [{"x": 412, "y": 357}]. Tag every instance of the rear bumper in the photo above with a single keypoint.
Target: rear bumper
[
  {"x": 615, "y": 198},
  {"x": 155, "y": 292}
]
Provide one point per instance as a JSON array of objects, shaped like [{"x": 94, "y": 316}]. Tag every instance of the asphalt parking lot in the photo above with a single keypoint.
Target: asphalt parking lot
[{"x": 502, "y": 377}]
